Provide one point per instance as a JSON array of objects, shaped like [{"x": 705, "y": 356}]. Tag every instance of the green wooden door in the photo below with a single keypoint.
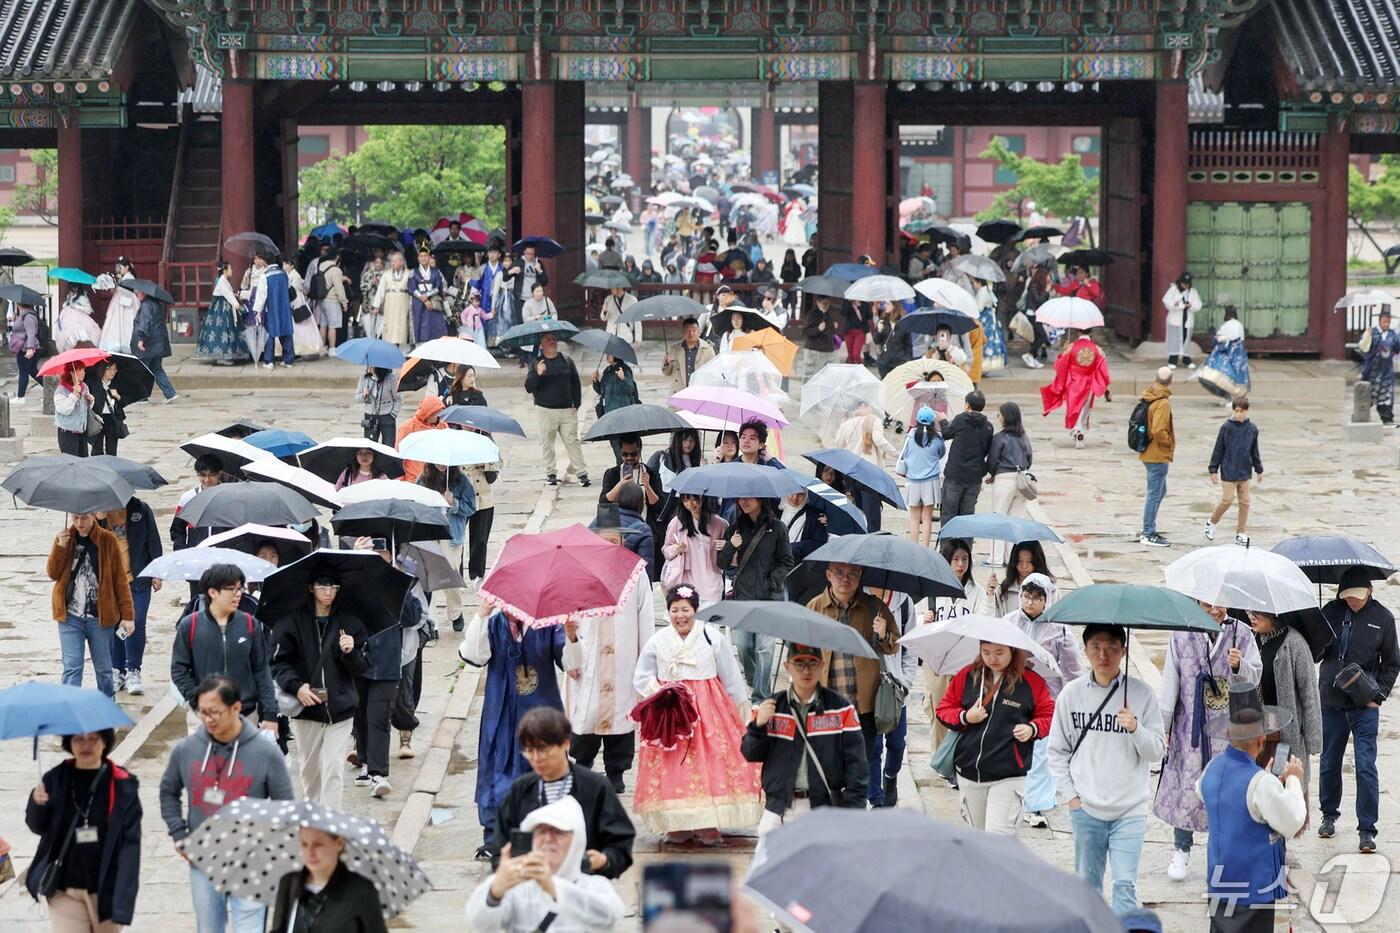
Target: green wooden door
[{"x": 1254, "y": 256}]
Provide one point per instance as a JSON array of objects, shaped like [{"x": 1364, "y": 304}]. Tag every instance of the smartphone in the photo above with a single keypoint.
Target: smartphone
[
  {"x": 627, "y": 470},
  {"x": 1281, "y": 755},
  {"x": 379, "y": 544},
  {"x": 121, "y": 633},
  {"x": 521, "y": 843},
  {"x": 699, "y": 889}
]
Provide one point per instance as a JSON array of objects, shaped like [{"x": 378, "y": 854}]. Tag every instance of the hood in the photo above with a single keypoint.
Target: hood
[
  {"x": 1157, "y": 391},
  {"x": 430, "y": 406},
  {"x": 248, "y": 733},
  {"x": 565, "y": 814},
  {"x": 977, "y": 417}
]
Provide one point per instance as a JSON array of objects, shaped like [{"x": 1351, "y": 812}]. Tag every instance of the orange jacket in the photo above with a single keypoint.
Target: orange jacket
[{"x": 430, "y": 407}]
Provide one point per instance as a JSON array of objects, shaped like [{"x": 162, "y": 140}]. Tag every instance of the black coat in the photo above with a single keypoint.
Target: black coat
[
  {"x": 120, "y": 872},
  {"x": 610, "y": 830},
  {"x": 296, "y": 655},
  {"x": 970, "y": 435},
  {"x": 762, "y": 569},
  {"x": 351, "y": 904},
  {"x": 149, "y": 328},
  {"x": 1372, "y": 645},
  {"x": 834, "y": 731},
  {"x": 239, "y": 650}
]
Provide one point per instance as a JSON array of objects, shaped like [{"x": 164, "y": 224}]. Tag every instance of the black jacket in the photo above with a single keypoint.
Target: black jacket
[
  {"x": 296, "y": 660},
  {"x": 1236, "y": 453},
  {"x": 142, "y": 540},
  {"x": 763, "y": 563},
  {"x": 1372, "y": 644},
  {"x": 833, "y": 728},
  {"x": 239, "y": 650},
  {"x": 970, "y": 437},
  {"x": 610, "y": 829},
  {"x": 119, "y": 875},
  {"x": 1008, "y": 453},
  {"x": 558, "y": 387},
  {"x": 349, "y": 904},
  {"x": 149, "y": 328},
  {"x": 517, "y": 280}
]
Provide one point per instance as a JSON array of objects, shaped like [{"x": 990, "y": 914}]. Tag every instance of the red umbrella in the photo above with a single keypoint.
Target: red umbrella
[
  {"x": 85, "y": 355},
  {"x": 667, "y": 717},
  {"x": 546, "y": 579}
]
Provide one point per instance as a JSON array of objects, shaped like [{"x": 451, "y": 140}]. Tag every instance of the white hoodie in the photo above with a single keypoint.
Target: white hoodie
[{"x": 582, "y": 903}]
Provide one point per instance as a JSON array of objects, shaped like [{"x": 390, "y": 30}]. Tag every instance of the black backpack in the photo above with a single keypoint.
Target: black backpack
[
  {"x": 317, "y": 289},
  {"x": 1138, "y": 436}
]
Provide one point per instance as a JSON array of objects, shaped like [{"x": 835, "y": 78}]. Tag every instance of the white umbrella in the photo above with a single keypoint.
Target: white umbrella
[
  {"x": 232, "y": 451},
  {"x": 450, "y": 448},
  {"x": 1069, "y": 311},
  {"x": 392, "y": 489},
  {"x": 836, "y": 391},
  {"x": 1242, "y": 578},
  {"x": 879, "y": 288},
  {"x": 947, "y": 294},
  {"x": 191, "y": 562},
  {"x": 952, "y": 644},
  {"x": 303, "y": 481},
  {"x": 1369, "y": 297},
  {"x": 455, "y": 350}
]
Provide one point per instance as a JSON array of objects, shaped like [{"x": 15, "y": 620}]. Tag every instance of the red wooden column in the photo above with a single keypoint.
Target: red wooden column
[
  {"x": 763, "y": 147},
  {"x": 638, "y": 154},
  {"x": 1336, "y": 152},
  {"x": 236, "y": 150},
  {"x": 70, "y": 194},
  {"x": 1168, "y": 257},
  {"x": 869, "y": 171},
  {"x": 552, "y": 183}
]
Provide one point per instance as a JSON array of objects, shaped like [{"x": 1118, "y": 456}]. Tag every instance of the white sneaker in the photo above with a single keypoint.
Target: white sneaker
[
  {"x": 1034, "y": 818},
  {"x": 133, "y": 683},
  {"x": 379, "y": 786},
  {"x": 1176, "y": 869},
  {"x": 1209, "y": 530},
  {"x": 1171, "y": 366},
  {"x": 172, "y": 398},
  {"x": 1242, "y": 540},
  {"x": 267, "y": 366},
  {"x": 118, "y": 681},
  {"x": 18, "y": 400},
  {"x": 1190, "y": 365},
  {"x": 1078, "y": 440},
  {"x": 1030, "y": 361},
  {"x": 362, "y": 778}
]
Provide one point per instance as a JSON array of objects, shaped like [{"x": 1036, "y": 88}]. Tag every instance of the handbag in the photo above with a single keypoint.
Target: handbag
[
  {"x": 943, "y": 756},
  {"x": 119, "y": 425},
  {"x": 673, "y": 572},
  {"x": 1360, "y": 687},
  {"x": 289, "y": 705},
  {"x": 94, "y": 424},
  {"x": 890, "y": 695},
  {"x": 1026, "y": 484}
]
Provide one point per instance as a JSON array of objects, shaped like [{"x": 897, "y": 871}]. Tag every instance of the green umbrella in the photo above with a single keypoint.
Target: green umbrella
[
  {"x": 72, "y": 276},
  {"x": 529, "y": 333},
  {"x": 603, "y": 278}
]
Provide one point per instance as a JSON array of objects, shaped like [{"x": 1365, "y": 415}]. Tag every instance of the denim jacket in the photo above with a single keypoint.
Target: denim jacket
[{"x": 76, "y": 418}]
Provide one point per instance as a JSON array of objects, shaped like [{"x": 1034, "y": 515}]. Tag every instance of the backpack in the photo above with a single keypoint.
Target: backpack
[
  {"x": 317, "y": 290},
  {"x": 194, "y": 617},
  {"x": 1138, "y": 436}
]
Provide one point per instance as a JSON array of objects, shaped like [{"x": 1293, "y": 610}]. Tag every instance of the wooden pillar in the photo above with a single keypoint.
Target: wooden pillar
[
  {"x": 236, "y": 150},
  {"x": 552, "y": 182},
  {"x": 291, "y": 207},
  {"x": 70, "y": 195},
  {"x": 763, "y": 154},
  {"x": 636, "y": 153},
  {"x": 1336, "y": 151},
  {"x": 1168, "y": 254},
  {"x": 835, "y": 150},
  {"x": 870, "y": 173}
]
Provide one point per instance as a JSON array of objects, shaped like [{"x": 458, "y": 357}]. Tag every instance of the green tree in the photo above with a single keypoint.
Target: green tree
[
  {"x": 1371, "y": 202},
  {"x": 1060, "y": 188},
  {"x": 7, "y": 217},
  {"x": 41, "y": 197}
]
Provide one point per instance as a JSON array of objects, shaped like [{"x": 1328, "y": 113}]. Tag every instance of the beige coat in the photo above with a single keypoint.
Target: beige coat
[{"x": 676, "y": 368}]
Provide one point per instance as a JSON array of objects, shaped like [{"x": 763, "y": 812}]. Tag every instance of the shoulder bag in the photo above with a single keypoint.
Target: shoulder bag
[
  {"x": 94, "y": 424},
  {"x": 1027, "y": 487},
  {"x": 890, "y": 695},
  {"x": 287, "y": 704}
]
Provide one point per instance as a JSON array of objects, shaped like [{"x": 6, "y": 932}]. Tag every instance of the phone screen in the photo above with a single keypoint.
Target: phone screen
[
  {"x": 1281, "y": 755},
  {"x": 699, "y": 889}
]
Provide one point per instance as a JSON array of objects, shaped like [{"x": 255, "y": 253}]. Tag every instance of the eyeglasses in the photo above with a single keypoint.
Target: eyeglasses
[
  {"x": 328, "y": 587},
  {"x": 805, "y": 667},
  {"x": 235, "y": 588},
  {"x": 213, "y": 714},
  {"x": 850, "y": 573}
]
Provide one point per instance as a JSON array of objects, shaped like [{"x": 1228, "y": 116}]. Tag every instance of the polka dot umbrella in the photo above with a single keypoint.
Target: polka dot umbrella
[{"x": 248, "y": 846}]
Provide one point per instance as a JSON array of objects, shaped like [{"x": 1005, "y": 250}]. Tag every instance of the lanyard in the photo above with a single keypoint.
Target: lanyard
[
  {"x": 228, "y": 773},
  {"x": 82, "y": 812}
]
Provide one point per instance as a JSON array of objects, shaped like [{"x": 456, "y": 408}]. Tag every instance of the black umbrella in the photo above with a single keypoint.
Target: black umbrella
[
  {"x": 232, "y": 452},
  {"x": 1324, "y": 558},
  {"x": 399, "y": 520},
  {"x": 246, "y": 244},
  {"x": 239, "y": 429},
  {"x": 999, "y": 230},
  {"x": 788, "y": 622},
  {"x": 892, "y": 563},
  {"x": 1085, "y": 258},
  {"x": 1038, "y": 233},
  {"x": 149, "y": 289},
  {"x": 593, "y": 220},
  {"x": 333, "y": 457},
  {"x": 134, "y": 379},
  {"x": 229, "y": 505},
  {"x": 825, "y": 286},
  {"x": 73, "y": 485},
  {"x": 383, "y": 229},
  {"x": 1313, "y": 626},
  {"x": 945, "y": 234},
  {"x": 370, "y": 587},
  {"x": 365, "y": 243},
  {"x": 663, "y": 308},
  {"x": 139, "y": 475},
  {"x": 290, "y": 545},
  {"x": 636, "y": 419},
  {"x": 610, "y": 200},
  {"x": 21, "y": 295},
  {"x": 10, "y": 256},
  {"x": 545, "y": 247},
  {"x": 928, "y": 322},
  {"x": 604, "y": 342},
  {"x": 432, "y": 567},
  {"x": 458, "y": 249}
]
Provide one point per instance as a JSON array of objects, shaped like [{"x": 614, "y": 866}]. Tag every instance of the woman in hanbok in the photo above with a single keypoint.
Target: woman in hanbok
[
  {"x": 220, "y": 336},
  {"x": 121, "y": 313},
  {"x": 393, "y": 300},
  {"x": 1182, "y": 301},
  {"x": 306, "y": 333},
  {"x": 75, "y": 323},
  {"x": 702, "y": 781},
  {"x": 994, "y": 341},
  {"x": 1081, "y": 374},
  {"x": 1226, "y": 370}
]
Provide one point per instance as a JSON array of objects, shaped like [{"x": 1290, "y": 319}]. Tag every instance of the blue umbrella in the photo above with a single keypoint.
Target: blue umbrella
[
  {"x": 483, "y": 418},
  {"x": 850, "y": 271},
  {"x": 861, "y": 470},
  {"x": 545, "y": 247},
  {"x": 73, "y": 276},
  {"x": 450, "y": 448},
  {"x": 842, "y": 517},
  {"x": 327, "y": 230},
  {"x": 928, "y": 322},
  {"x": 191, "y": 562},
  {"x": 370, "y": 351},
  {"x": 280, "y": 443},
  {"x": 734, "y": 480},
  {"x": 997, "y": 527},
  {"x": 34, "y": 708}
]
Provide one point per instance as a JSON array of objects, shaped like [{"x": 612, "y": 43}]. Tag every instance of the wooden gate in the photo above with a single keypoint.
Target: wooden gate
[{"x": 1121, "y": 227}]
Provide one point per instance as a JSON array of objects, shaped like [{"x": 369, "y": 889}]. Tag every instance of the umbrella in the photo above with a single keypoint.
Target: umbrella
[
  {"x": 10, "y": 256},
  {"x": 138, "y": 475},
  {"x": 788, "y": 622},
  {"x": 34, "y": 708},
  {"x": 929, "y": 322},
  {"x": 879, "y": 288},
  {"x": 946, "y": 294},
  {"x": 453, "y": 252},
  {"x": 667, "y": 717},
  {"x": 72, "y": 276},
  {"x": 229, "y": 505},
  {"x": 75, "y": 486},
  {"x": 726, "y": 402},
  {"x": 369, "y": 351},
  {"x": 604, "y": 342},
  {"x": 997, "y": 527},
  {"x": 450, "y": 448},
  {"x": 861, "y": 471},
  {"x": 546, "y": 579},
  {"x": 482, "y": 418},
  {"x": 842, "y": 517},
  {"x": 636, "y": 419},
  {"x": 999, "y": 231},
  {"x": 1069, "y": 311},
  {"x": 296, "y": 479},
  {"x": 778, "y": 349},
  {"x": 370, "y": 587},
  {"x": 997, "y": 884},
  {"x": 950, "y": 645},
  {"x": 377, "y": 227},
  {"x": 280, "y": 443},
  {"x": 593, "y": 219},
  {"x": 1314, "y": 628},
  {"x": 1085, "y": 257},
  {"x": 708, "y": 192},
  {"x": 545, "y": 247},
  {"x": 980, "y": 267},
  {"x": 836, "y": 391},
  {"x": 190, "y": 563},
  {"x": 1324, "y": 558},
  {"x": 1365, "y": 298},
  {"x": 1038, "y": 233},
  {"x": 800, "y": 190},
  {"x": 603, "y": 278},
  {"x": 233, "y": 453},
  {"x": 333, "y": 457},
  {"x": 735, "y": 479},
  {"x": 1242, "y": 578},
  {"x": 754, "y": 319},
  {"x": 825, "y": 286},
  {"x": 134, "y": 379},
  {"x": 849, "y": 271},
  {"x": 21, "y": 295},
  {"x": 1042, "y": 254},
  {"x": 364, "y": 243},
  {"x": 618, "y": 226},
  {"x": 663, "y": 308},
  {"x": 149, "y": 289},
  {"x": 920, "y": 204},
  {"x": 392, "y": 489},
  {"x": 328, "y": 230},
  {"x": 455, "y": 350},
  {"x": 291, "y": 544},
  {"x": 246, "y": 244},
  {"x": 239, "y": 430},
  {"x": 529, "y": 333},
  {"x": 943, "y": 233},
  {"x": 84, "y": 355},
  {"x": 897, "y": 382},
  {"x": 431, "y": 566},
  {"x": 892, "y": 563},
  {"x": 248, "y": 846},
  {"x": 400, "y": 520}
]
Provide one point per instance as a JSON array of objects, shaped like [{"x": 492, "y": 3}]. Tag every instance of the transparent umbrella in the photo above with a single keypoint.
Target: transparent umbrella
[
  {"x": 749, "y": 371},
  {"x": 837, "y": 391},
  {"x": 1242, "y": 578}
]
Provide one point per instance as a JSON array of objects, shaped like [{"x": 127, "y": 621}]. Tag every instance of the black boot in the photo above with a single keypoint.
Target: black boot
[
  {"x": 891, "y": 791},
  {"x": 1386, "y": 412},
  {"x": 458, "y": 624}
]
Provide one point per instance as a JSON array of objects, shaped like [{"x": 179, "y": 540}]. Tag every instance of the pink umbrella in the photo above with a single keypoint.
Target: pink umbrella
[
  {"x": 546, "y": 579},
  {"x": 728, "y": 404}
]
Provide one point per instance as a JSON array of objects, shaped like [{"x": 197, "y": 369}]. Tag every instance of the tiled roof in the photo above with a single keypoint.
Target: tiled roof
[
  {"x": 207, "y": 95},
  {"x": 47, "y": 40},
  {"x": 1339, "y": 45}
]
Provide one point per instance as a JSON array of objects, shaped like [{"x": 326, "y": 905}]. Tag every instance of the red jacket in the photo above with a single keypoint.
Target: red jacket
[
  {"x": 1091, "y": 290},
  {"x": 987, "y": 751}
]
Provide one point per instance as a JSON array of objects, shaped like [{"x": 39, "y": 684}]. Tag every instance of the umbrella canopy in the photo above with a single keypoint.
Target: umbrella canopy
[
  {"x": 134, "y": 379},
  {"x": 800, "y": 190},
  {"x": 11, "y": 256},
  {"x": 232, "y": 452},
  {"x": 1085, "y": 258},
  {"x": 34, "y": 708},
  {"x": 482, "y": 418},
  {"x": 708, "y": 192},
  {"x": 139, "y": 475},
  {"x": 1131, "y": 606},
  {"x": 1324, "y": 558},
  {"x": 364, "y": 243},
  {"x": 603, "y": 278},
  {"x": 373, "y": 489},
  {"x": 980, "y": 267},
  {"x": 997, "y": 527},
  {"x": 887, "y": 857},
  {"x": 74, "y": 486},
  {"x": 239, "y": 429},
  {"x": 734, "y": 479},
  {"x": 426, "y": 562},
  {"x": 663, "y": 308},
  {"x": 778, "y": 349},
  {"x": 893, "y": 563},
  {"x": 72, "y": 276},
  {"x": 849, "y": 271},
  {"x": 246, "y": 244},
  {"x": 149, "y": 289},
  {"x": 450, "y": 448},
  {"x": 377, "y": 227},
  {"x": 879, "y": 288},
  {"x": 667, "y": 717},
  {"x": 1314, "y": 627},
  {"x": 291, "y": 544},
  {"x": 930, "y": 322},
  {"x": 21, "y": 295},
  {"x": 84, "y": 355},
  {"x": 999, "y": 231},
  {"x": 370, "y": 587},
  {"x": 281, "y": 443},
  {"x": 546, "y": 579},
  {"x": 455, "y": 350},
  {"x": 604, "y": 342},
  {"x": 728, "y": 403},
  {"x": 331, "y": 458},
  {"x": 947, "y": 294},
  {"x": 950, "y": 645},
  {"x": 1242, "y": 578},
  {"x": 636, "y": 419},
  {"x": 842, "y": 516},
  {"x": 1042, "y": 254},
  {"x": 248, "y": 846},
  {"x": 399, "y": 520},
  {"x": 1041, "y": 232},
  {"x": 328, "y": 230},
  {"x": 454, "y": 252},
  {"x": 229, "y": 505},
  {"x": 836, "y": 391},
  {"x": 529, "y": 333},
  {"x": 1069, "y": 311},
  {"x": 369, "y": 351},
  {"x": 295, "y": 478},
  {"x": 825, "y": 286},
  {"x": 1366, "y": 298},
  {"x": 857, "y": 468},
  {"x": 920, "y": 204},
  {"x": 190, "y": 563},
  {"x": 788, "y": 622},
  {"x": 545, "y": 247}
]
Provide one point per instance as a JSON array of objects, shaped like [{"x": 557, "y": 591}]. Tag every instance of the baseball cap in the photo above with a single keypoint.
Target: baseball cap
[
  {"x": 796, "y": 650},
  {"x": 925, "y": 415}
]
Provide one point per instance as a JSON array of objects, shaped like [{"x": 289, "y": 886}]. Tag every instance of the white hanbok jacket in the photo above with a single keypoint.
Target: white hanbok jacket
[{"x": 598, "y": 692}]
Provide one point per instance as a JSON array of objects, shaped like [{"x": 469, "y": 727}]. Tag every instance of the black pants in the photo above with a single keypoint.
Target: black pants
[
  {"x": 959, "y": 499},
  {"x": 28, "y": 367},
  {"x": 618, "y": 750},
  {"x": 869, "y": 733},
  {"x": 372, "y": 723},
  {"x": 72, "y": 442},
  {"x": 478, "y": 534},
  {"x": 403, "y": 715},
  {"x": 1040, "y": 342},
  {"x": 106, "y": 442},
  {"x": 380, "y": 428}
]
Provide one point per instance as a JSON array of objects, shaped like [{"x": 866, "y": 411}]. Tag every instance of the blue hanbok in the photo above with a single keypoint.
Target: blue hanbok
[
  {"x": 1379, "y": 370},
  {"x": 489, "y": 273},
  {"x": 1226, "y": 371},
  {"x": 425, "y": 284}
]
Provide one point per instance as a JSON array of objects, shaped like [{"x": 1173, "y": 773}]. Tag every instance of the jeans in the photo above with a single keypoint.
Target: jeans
[
  {"x": 73, "y": 634},
  {"x": 382, "y": 430},
  {"x": 894, "y": 740},
  {"x": 212, "y": 910},
  {"x": 28, "y": 367},
  {"x": 269, "y": 348},
  {"x": 1182, "y": 838},
  {"x": 756, "y": 659},
  {"x": 1156, "y": 492},
  {"x": 127, "y": 654},
  {"x": 157, "y": 366},
  {"x": 1117, "y": 841},
  {"x": 1361, "y": 725}
]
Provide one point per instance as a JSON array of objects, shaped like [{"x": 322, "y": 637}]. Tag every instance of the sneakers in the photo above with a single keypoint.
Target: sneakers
[
  {"x": 1190, "y": 365},
  {"x": 618, "y": 785},
  {"x": 267, "y": 366},
  {"x": 405, "y": 744},
  {"x": 584, "y": 481},
  {"x": 362, "y": 777},
  {"x": 1154, "y": 540},
  {"x": 1176, "y": 869},
  {"x": 1209, "y": 530},
  {"x": 1368, "y": 843},
  {"x": 133, "y": 683},
  {"x": 118, "y": 681},
  {"x": 1242, "y": 540},
  {"x": 1034, "y": 818},
  {"x": 1327, "y": 828},
  {"x": 379, "y": 786},
  {"x": 172, "y": 398},
  {"x": 551, "y": 480},
  {"x": 1171, "y": 366},
  {"x": 458, "y": 624},
  {"x": 432, "y": 630},
  {"x": 1030, "y": 361},
  {"x": 18, "y": 400},
  {"x": 891, "y": 789},
  {"x": 1078, "y": 440}
]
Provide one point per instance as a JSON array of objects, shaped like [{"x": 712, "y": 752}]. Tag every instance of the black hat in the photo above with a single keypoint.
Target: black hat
[
  {"x": 609, "y": 518},
  {"x": 1353, "y": 578},
  {"x": 1249, "y": 718},
  {"x": 797, "y": 650}
]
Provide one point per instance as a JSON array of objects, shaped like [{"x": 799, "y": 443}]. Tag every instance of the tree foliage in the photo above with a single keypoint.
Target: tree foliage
[
  {"x": 1059, "y": 188},
  {"x": 411, "y": 175},
  {"x": 41, "y": 197},
  {"x": 7, "y": 217},
  {"x": 1371, "y": 203}
]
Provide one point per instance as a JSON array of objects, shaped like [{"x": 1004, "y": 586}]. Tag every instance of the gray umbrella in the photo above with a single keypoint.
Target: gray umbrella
[
  {"x": 825, "y": 286},
  {"x": 636, "y": 419},
  {"x": 246, "y": 244},
  {"x": 604, "y": 342},
  {"x": 21, "y": 295},
  {"x": 74, "y": 485},
  {"x": 892, "y": 563},
  {"x": 979, "y": 267},
  {"x": 663, "y": 308},
  {"x": 229, "y": 505},
  {"x": 788, "y": 622},
  {"x": 397, "y": 519},
  {"x": 138, "y": 475},
  {"x": 603, "y": 278},
  {"x": 247, "y": 847},
  {"x": 431, "y": 567},
  {"x": 1042, "y": 254}
]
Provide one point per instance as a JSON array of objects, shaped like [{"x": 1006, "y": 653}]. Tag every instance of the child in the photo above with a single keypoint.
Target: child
[
  {"x": 920, "y": 464},
  {"x": 1236, "y": 453},
  {"x": 474, "y": 318}
]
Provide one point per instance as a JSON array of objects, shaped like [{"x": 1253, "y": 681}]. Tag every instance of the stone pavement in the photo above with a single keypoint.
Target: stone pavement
[{"x": 1314, "y": 482}]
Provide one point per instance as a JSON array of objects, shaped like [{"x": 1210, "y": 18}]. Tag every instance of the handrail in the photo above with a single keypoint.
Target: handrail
[{"x": 172, "y": 213}]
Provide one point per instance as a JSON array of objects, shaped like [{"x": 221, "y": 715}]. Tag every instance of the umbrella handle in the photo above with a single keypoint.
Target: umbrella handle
[
  {"x": 777, "y": 666},
  {"x": 1127, "y": 664}
]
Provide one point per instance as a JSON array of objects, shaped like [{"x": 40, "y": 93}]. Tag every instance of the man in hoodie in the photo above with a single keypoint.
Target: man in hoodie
[
  {"x": 553, "y": 381},
  {"x": 1157, "y": 457},
  {"x": 1236, "y": 455},
  {"x": 225, "y": 760},
  {"x": 970, "y": 435},
  {"x": 1100, "y": 758}
]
